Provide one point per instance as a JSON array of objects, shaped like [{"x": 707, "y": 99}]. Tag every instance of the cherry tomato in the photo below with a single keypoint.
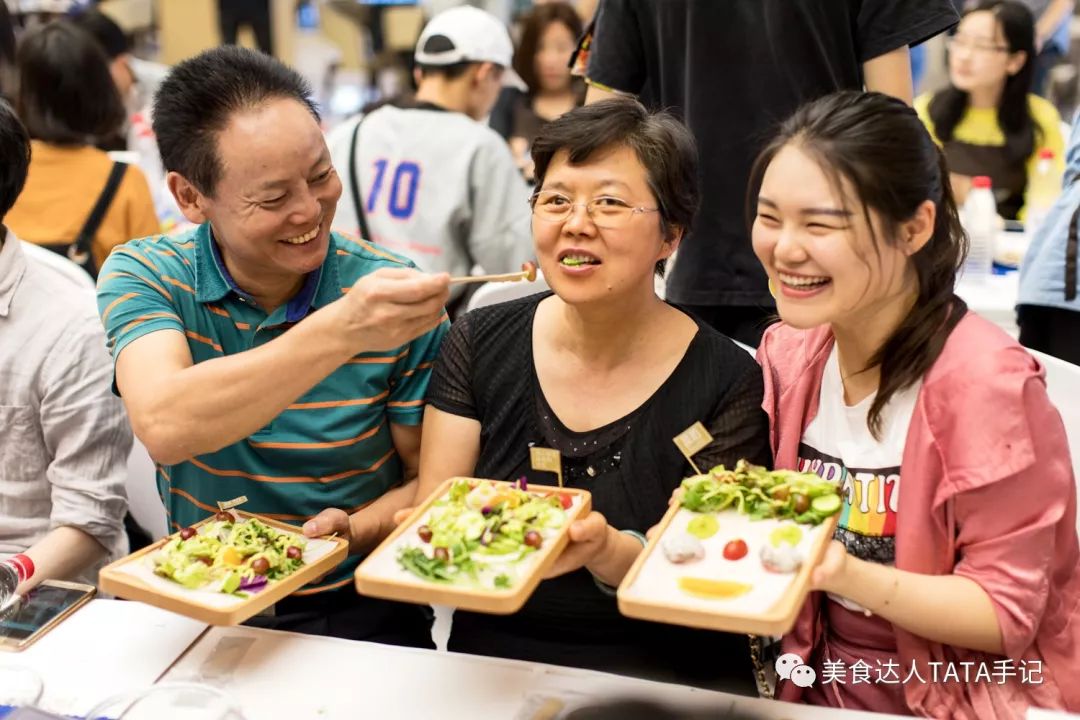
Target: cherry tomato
[
  {"x": 205, "y": 560},
  {"x": 424, "y": 532},
  {"x": 533, "y": 539},
  {"x": 260, "y": 566},
  {"x": 566, "y": 500},
  {"x": 187, "y": 533},
  {"x": 224, "y": 516},
  {"x": 735, "y": 550},
  {"x": 442, "y": 554},
  {"x": 293, "y": 553}
]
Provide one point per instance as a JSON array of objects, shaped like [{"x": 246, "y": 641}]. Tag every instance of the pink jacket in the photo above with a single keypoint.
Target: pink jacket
[{"x": 988, "y": 493}]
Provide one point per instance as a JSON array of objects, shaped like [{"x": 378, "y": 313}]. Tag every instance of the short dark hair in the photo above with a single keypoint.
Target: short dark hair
[
  {"x": 200, "y": 96},
  {"x": 533, "y": 26},
  {"x": 14, "y": 157},
  {"x": 450, "y": 72},
  {"x": 104, "y": 29},
  {"x": 66, "y": 94},
  {"x": 663, "y": 145}
]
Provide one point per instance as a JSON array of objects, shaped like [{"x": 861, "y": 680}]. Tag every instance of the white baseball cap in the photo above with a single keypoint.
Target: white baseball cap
[{"x": 464, "y": 34}]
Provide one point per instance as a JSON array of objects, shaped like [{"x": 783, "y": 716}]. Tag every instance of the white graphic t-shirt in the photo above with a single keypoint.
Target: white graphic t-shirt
[{"x": 838, "y": 446}]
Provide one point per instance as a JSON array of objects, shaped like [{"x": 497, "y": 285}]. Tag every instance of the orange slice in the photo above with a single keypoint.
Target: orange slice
[
  {"x": 231, "y": 556},
  {"x": 713, "y": 589}
]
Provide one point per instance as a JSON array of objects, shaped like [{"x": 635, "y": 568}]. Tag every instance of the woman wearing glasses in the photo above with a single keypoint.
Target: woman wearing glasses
[
  {"x": 987, "y": 120},
  {"x": 607, "y": 373}
]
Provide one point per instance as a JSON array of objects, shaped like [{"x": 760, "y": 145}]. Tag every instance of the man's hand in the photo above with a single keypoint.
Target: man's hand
[
  {"x": 331, "y": 521},
  {"x": 390, "y": 307}
]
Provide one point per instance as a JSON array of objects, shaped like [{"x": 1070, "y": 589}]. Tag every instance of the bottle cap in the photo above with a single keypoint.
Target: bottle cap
[
  {"x": 982, "y": 182},
  {"x": 24, "y": 566},
  {"x": 1046, "y": 154}
]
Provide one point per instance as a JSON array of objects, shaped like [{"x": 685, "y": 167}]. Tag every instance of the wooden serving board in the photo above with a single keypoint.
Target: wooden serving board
[
  {"x": 650, "y": 590},
  {"x": 133, "y": 578},
  {"x": 380, "y": 575}
]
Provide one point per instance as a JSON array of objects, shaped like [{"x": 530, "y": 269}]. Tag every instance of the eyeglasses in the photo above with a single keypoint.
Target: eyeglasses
[
  {"x": 959, "y": 42},
  {"x": 606, "y": 212}
]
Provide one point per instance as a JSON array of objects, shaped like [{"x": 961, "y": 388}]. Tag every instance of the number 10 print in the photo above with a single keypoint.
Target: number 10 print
[{"x": 403, "y": 187}]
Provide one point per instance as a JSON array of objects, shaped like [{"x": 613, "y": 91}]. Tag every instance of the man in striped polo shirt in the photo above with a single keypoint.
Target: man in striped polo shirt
[{"x": 262, "y": 354}]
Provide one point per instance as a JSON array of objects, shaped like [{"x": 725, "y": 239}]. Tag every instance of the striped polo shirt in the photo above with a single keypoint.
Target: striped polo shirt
[{"x": 330, "y": 448}]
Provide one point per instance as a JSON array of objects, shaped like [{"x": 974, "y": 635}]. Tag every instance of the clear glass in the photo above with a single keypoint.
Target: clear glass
[
  {"x": 606, "y": 211},
  {"x": 20, "y": 686},
  {"x": 176, "y": 701}
]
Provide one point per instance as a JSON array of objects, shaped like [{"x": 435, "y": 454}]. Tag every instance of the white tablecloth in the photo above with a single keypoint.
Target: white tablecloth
[
  {"x": 110, "y": 647},
  {"x": 283, "y": 675}
]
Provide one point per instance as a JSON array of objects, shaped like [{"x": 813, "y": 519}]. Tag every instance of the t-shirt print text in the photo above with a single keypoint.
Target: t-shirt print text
[{"x": 871, "y": 497}]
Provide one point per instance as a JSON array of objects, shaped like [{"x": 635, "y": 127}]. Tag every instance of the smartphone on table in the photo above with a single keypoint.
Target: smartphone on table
[{"x": 44, "y": 608}]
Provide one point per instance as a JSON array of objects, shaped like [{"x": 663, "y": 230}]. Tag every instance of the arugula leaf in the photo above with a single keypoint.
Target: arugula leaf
[{"x": 415, "y": 561}]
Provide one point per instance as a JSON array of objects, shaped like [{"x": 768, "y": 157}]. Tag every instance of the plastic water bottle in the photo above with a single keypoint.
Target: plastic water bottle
[
  {"x": 981, "y": 223},
  {"x": 13, "y": 571},
  {"x": 1043, "y": 189}
]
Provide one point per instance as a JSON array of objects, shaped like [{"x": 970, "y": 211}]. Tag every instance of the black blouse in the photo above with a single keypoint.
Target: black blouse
[{"x": 485, "y": 371}]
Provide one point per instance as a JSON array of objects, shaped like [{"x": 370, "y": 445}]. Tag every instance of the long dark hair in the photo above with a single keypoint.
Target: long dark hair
[
  {"x": 878, "y": 144},
  {"x": 533, "y": 27},
  {"x": 947, "y": 107}
]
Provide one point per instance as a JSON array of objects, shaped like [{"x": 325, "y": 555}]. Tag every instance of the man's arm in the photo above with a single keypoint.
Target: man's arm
[
  {"x": 596, "y": 93},
  {"x": 1051, "y": 19},
  {"x": 367, "y": 527},
  {"x": 891, "y": 74},
  {"x": 88, "y": 440},
  {"x": 616, "y": 64},
  {"x": 62, "y": 554},
  {"x": 180, "y": 410}
]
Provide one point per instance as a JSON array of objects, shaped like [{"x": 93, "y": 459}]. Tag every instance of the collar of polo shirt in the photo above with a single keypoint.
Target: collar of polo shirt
[{"x": 213, "y": 280}]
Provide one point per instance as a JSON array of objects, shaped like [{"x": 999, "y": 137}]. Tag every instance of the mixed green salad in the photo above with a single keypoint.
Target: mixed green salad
[
  {"x": 229, "y": 556},
  {"x": 760, "y": 493},
  {"x": 480, "y": 532}
]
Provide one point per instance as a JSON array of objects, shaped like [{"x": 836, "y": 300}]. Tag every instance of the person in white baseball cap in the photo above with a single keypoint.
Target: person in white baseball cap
[
  {"x": 427, "y": 177},
  {"x": 462, "y": 53}
]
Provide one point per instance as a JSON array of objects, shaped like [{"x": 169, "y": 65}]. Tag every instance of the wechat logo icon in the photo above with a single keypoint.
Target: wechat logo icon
[{"x": 790, "y": 666}]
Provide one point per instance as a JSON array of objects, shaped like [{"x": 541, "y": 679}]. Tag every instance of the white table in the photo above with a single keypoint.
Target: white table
[
  {"x": 994, "y": 298},
  {"x": 111, "y": 647},
  {"x": 277, "y": 674},
  {"x": 104, "y": 649}
]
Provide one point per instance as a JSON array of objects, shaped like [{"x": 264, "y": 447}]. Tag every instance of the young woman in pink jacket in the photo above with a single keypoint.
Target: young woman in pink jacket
[{"x": 951, "y": 589}]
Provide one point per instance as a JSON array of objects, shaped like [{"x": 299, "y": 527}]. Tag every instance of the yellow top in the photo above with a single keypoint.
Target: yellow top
[
  {"x": 979, "y": 126},
  {"x": 61, "y": 188}
]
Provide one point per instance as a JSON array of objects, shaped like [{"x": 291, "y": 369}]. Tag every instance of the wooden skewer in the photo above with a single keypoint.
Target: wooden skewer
[{"x": 528, "y": 272}]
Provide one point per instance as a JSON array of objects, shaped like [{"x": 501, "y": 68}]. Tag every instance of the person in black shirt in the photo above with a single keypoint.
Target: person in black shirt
[
  {"x": 607, "y": 373},
  {"x": 232, "y": 14},
  {"x": 732, "y": 71}
]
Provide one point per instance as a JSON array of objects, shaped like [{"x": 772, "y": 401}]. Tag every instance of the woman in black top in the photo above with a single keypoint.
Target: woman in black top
[
  {"x": 542, "y": 60},
  {"x": 608, "y": 374}
]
